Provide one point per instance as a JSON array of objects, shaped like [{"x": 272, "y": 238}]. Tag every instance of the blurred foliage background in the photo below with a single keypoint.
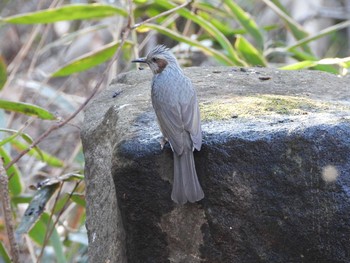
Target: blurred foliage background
[{"x": 54, "y": 57}]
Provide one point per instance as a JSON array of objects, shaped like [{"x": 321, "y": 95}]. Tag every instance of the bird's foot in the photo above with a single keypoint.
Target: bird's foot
[{"x": 162, "y": 142}]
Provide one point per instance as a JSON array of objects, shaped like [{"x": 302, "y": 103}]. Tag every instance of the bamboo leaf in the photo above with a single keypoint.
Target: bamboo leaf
[
  {"x": 15, "y": 134},
  {"x": 322, "y": 33},
  {"x": 247, "y": 22},
  {"x": 34, "y": 210},
  {"x": 300, "y": 65},
  {"x": 63, "y": 178},
  {"x": 89, "y": 60},
  {"x": 75, "y": 197},
  {"x": 26, "y": 108},
  {"x": 295, "y": 28},
  {"x": 303, "y": 56},
  {"x": 212, "y": 30},
  {"x": 174, "y": 35},
  {"x": 38, "y": 154},
  {"x": 79, "y": 199},
  {"x": 249, "y": 52},
  {"x": 15, "y": 184},
  {"x": 3, "y": 73},
  {"x": 322, "y": 64},
  {"x": 68, "y": 12}
]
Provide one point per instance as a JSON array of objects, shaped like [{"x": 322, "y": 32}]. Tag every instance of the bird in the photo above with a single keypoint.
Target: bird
[{"x": 175, "y": 103}]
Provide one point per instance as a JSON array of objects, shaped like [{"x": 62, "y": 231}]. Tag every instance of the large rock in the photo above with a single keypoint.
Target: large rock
[{"x": 274, "y": 167}]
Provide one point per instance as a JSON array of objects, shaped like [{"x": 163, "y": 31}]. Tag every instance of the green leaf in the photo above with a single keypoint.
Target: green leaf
[
  {"x": 68, "y": 12},
  {"x": 303, "y": 56},
  {"x": 4, "y": 256},
  {"x": 15, "y": 134},
  {"x": 22, "y": 199},
  {"x": 296, "y": 29},
  {"x": 79, "y": 199},
  {"x": 174, "y": 35},
  {"x": 61, "y": 203},
  {"x": 3, "y": 73},
  {"x": 38, "y": 154},
  {"x": 300, "y": 65},
  {"x": 320, "y": 64},
  {"x": 54, "y": 180},
  {"x": 249, "y": 52},
  {"x": 26, "y": 108},
  {"x": 34, "y": 210},
  {"x": 38, "y": 232},
  {"x": 212, "y": 30},
  {"x": 247, "y": 22},
  {"x": 89, "y": 60},
  {"x": 15, "y": 183},
  {"x": 75, "y": 197},
  {"x": 329, "y": 30}
]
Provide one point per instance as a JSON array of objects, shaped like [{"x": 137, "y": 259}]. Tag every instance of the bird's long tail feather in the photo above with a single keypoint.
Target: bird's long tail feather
[{"x": 186, "y": 186}]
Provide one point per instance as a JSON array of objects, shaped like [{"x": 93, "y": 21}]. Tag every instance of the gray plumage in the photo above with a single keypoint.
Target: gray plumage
[{"x": 175, "y": 103}]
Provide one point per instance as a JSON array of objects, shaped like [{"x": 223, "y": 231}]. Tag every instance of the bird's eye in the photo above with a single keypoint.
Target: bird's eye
[{"x": 154, "y": 59}]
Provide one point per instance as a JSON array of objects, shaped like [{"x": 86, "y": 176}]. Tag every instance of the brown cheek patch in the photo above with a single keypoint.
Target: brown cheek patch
[{"x": 161, "y": 65}]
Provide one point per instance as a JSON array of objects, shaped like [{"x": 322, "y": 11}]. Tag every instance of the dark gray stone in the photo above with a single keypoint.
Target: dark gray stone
[{"x": 274, "y": 167}]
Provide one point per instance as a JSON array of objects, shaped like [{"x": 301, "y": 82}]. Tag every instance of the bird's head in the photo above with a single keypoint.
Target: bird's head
[{"x": 158, "y": 59}]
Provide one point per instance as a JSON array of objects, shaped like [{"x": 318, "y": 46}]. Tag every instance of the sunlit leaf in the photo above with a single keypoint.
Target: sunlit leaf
[
  {"x": 174, "y": 35},
  {"x": 247, "y": 22},
  {"x": 89, "y": 60},
  {"x": 249, "y": 52},
  {"x": 26, "y": 108},
  {"x": 3, "y": 72},
  {"x": 34, "y": 210},
  {"x": 68, "y": 12},
  {"x": 15, "y": 183},
  {"x": 321, "y": 64},
  {"x": 300, "y": 65},
  {"x": 4, "y": 256},
  {"x": 212, "y": 30},
  {"x": 304, "y": 56},
  {"x": 38, "y": 154}
]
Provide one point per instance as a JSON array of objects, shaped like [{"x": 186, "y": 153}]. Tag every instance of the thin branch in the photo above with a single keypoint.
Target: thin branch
[
  {"x": 162, "y": 14},
  {"x": 4, "y": 190}
]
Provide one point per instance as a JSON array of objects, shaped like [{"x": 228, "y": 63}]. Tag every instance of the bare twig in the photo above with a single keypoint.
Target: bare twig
[
  {"x": 162, "y": 14},
  {"x": 4, "y": 190}
]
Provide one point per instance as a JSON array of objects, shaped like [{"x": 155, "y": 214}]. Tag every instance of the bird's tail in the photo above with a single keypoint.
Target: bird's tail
[{"x": 186, "y": 186}]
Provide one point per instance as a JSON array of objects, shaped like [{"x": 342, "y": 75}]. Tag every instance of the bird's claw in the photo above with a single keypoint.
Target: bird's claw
[{"x": 162, "y": 142}]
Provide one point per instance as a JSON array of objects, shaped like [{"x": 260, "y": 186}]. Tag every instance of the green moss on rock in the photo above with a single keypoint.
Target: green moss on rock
[{"x": 251, "y": 106}]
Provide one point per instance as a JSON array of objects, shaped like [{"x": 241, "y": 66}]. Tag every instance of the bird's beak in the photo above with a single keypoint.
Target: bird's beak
[{"x": 139, "y": 60}]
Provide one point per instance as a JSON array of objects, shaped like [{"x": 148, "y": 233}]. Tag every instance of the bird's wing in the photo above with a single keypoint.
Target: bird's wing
[
  {"x": 169, "y": 120},
  {"x": 191, "y": 116}
]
